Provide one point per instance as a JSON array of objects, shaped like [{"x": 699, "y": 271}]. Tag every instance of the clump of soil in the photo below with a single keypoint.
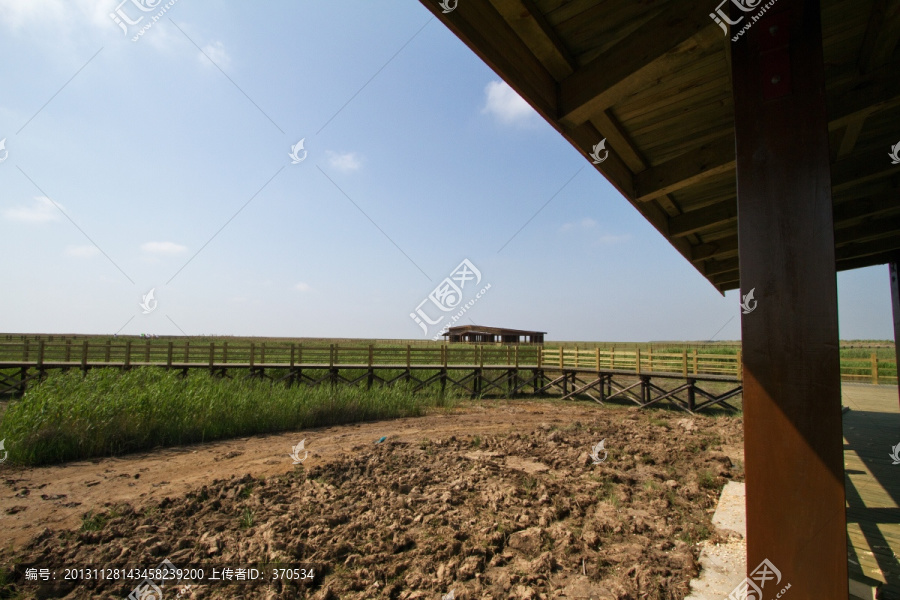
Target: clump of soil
[{"x": 525, "y": 515}]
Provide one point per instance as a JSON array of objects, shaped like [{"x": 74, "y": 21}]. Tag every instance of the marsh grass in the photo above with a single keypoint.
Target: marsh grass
[{"x": 107, "y": 412}]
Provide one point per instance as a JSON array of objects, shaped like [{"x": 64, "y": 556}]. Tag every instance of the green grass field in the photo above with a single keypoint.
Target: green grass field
[{"x": 109, "y": 412}]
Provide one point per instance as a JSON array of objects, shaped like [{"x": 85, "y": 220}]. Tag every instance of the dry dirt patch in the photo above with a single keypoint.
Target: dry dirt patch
[{"x": 500, "y": 500}]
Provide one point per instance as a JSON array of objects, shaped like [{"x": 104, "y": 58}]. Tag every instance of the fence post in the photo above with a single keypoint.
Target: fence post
[
  {"x": 84, "y": 355},
  {"x": 517, "y": 356},
  {"x": 874, "y": 368},
  {"x": 25, "y": 358},
  {"x": 108, "y": 350},
  {"x": 212, "y": 355},
  {"x": 68, "y": 350},
  {"x": 684, "y": 362},
  {"x": 540, "y": 357},
  {"x": 225, "y": 352},
  {"x": 127, "y": 354},
  {"x": 252, "y": 353},
  {"x": 292, "y": 354},
  {"x": 597, "y": 357},
  {"x": 407, "y": 357},
  {"x": 612, "y": 358},
  {"x": 562, "y": 363},
  {"x": 187, "y": 351},
  {"x": 169, "y": 355},
  {"x": 262, "y": 353},
  {"x": 650, "y": 358},
  {"x": 637, "y": 360},
  {"x": 695, "y": 361}
]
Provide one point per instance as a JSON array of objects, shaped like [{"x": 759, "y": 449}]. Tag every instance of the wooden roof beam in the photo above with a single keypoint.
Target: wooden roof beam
[
  {"x": 718, "y": 267},
  {"x": 698, "y": 220},
  {"x": 872, "y": 229},
  {"x": 709, "y": 160},
  {"x": 532, "y": 26},
  {"x": 724, "y": 248},
  {"x": 882, "y": 35},
  {"x": 598, "y": 84},
  {"x": 860, "y": 168},
  {"x": 862, "y": 249}
]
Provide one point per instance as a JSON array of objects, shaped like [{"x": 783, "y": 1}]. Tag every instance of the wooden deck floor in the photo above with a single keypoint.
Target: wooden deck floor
[{"x": 871, "y": 428}]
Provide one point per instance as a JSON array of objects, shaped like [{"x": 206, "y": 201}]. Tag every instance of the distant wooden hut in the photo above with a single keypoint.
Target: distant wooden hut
[{"x": 477, "y": 334}]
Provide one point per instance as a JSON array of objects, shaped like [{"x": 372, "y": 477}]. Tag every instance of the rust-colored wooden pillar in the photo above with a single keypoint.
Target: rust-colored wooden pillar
[
  {"x": 792, "y": 394},
  {"x": 895, "y": 303}
]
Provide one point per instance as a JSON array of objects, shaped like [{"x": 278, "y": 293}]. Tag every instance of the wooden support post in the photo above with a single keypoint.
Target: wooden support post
[
  {"x": 612, "y": 358},
  {"x": 371, "y": 378},
  {"x": 68, "y": 350},
  {"x": 262, "y": 353},
  {"x": 127, "y": 363},
  {"x": 108, "y": 351},
  {"x": 793, "y": 444},
  {"x": 252, "y": 356},
  {"x": 562, "y": 363},
  {"x": 874, "y": 369},
  {"x": 187, "y": 351},
  {"x": 147, "y": 352},
  {"x": 637, "y": 361},
  {"x": 293, "y": 350},
  {"x": 695, "y": 362},
  {"x": 407, "y": 357},
  {"x": 40, "y": 357},
  {"x": 894, "y": 269},
  {"x": 684, "y": 362},
  {"x": 597, "y": 357},
  {"x": 169, "y": 354},
  {"x": 25, "y": 352},
  {"x": 212, "y": 355},
  {"x": 739, "y": 371},
  {"x": 225, "y": 353},
  {"x": 84, "y": 355},
  {"x": 650, "y": 358}
]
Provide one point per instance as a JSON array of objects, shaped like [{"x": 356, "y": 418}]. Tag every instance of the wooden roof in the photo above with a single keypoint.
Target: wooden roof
[{"x": 653, "y": 78}]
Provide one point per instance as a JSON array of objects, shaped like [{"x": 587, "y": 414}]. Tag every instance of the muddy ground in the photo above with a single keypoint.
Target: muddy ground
[{"x": 494, "y": 500}]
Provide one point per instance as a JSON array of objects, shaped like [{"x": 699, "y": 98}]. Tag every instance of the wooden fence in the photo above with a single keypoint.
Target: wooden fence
[{"x": 176, "y": 354}]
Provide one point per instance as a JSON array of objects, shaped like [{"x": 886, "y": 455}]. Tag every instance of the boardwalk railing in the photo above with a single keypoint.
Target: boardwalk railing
[
  {"x": 479, "y": 370},
  {"x": 127, "y": 353}
]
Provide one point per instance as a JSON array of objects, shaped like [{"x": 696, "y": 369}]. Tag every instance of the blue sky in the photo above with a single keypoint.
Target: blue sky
[{"x": 163, "y": 163}]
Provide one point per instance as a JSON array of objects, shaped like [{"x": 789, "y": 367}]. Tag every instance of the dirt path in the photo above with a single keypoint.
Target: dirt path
[
  {"x": 495, "y": 500},
  {"x": 57, "y": 497}
]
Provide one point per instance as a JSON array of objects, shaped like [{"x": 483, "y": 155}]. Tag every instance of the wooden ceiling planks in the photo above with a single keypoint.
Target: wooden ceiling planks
[{"x": 653, "y": 77}]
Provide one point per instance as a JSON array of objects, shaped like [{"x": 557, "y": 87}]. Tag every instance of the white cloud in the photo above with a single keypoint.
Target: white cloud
[
  {"x": 506, "y": 105},
  {"x": 610, "y": 239},
  {"x": 346, "y": 162},
  {"x": 86, "y": 251},
  {"x": 302, "y": 287},
  {"x": 585, "y": 223},
  {"x": 163, "y": 248},
  {"x": 217, "y": 53},
  {"x": 42, "y": 210}
]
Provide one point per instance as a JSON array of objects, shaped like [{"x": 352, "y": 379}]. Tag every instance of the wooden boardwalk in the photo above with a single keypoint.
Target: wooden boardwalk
[{"x": 871, "y": 429}]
